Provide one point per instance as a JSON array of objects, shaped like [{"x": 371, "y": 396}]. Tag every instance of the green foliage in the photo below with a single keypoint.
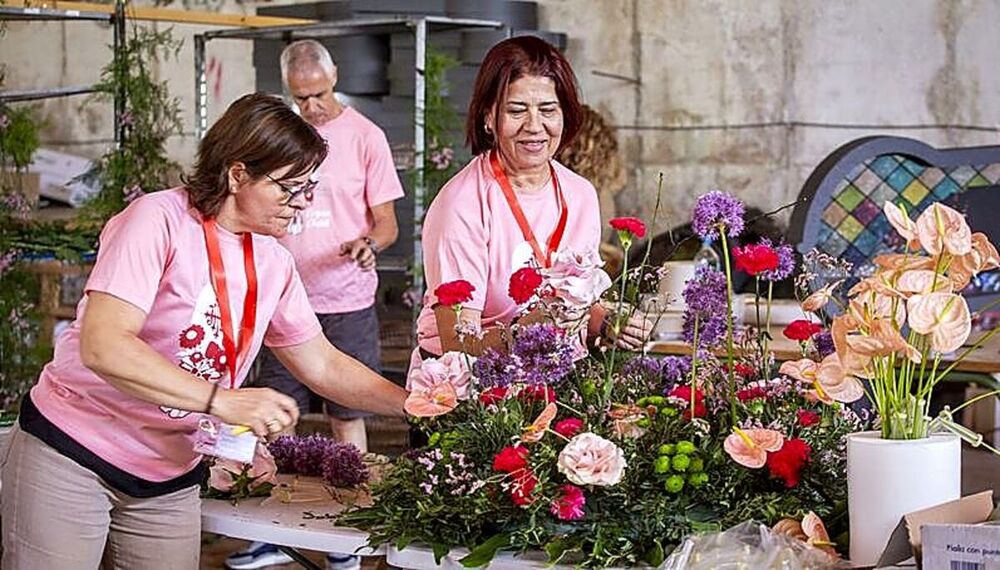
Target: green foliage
[
  {"x": 151, "y": 116},
  {"x": 442, "y": 156},
  {"x": 21, "y": 355},
  {"x": 18, "y": 136}
]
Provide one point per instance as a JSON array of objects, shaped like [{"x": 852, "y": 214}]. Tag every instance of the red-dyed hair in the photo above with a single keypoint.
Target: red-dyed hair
[{"x": 507, "y": 62}]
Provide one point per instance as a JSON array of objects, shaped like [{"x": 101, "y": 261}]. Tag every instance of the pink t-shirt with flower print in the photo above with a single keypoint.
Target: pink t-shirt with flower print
[
  {"x": 358, "y": 174},
  {"x": 152, "y": 255},
  {"x": 470, "y": 233}
]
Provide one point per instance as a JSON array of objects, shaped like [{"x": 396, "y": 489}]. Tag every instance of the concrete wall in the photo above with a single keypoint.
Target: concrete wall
[
  {"x": 748, "y": 96},
  {"x": 743, "y": 95}
]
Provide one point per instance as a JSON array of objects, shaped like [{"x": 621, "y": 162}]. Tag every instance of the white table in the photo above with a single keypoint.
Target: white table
[{"x": 291, "y": 526}]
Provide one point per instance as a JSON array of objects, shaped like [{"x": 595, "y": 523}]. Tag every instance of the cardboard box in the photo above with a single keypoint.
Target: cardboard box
[
  {"x": 907, "y": 540},
  {"x": 961, "y": 546}
]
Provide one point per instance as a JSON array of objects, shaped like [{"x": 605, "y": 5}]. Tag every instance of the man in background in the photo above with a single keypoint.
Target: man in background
[{"x": 335, "y": 242}]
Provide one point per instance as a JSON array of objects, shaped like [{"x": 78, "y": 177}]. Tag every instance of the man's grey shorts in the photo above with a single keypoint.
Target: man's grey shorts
[{"x": 354, "y": 333}]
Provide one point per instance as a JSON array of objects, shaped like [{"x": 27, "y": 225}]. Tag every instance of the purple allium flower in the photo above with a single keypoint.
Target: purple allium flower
[
  {"x": 705, "y": 296},
  {"x": 342, "y": 465},
  {"x": 310, "y": 452},
  {"x": 824, "y": 343},
  {"x": 545, "y": 353},
  {"x": 714, "y": 209},
  {"x": 283, "y": 451},
  {"x": 676, "y": 368},
  {"x": 786, "y": 261}
]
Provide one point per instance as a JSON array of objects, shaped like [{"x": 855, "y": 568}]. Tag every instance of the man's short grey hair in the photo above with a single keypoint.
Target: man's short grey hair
[{"x": 302, "y": 55}]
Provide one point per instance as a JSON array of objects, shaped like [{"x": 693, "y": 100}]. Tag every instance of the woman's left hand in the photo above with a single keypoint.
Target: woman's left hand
[{"x": 633, "y": 333}]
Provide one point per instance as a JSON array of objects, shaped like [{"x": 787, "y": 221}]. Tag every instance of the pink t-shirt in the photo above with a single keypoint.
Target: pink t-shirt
[
  {"x": 470, "y": 233},
  {"x": 358, "y": 174},
  {"x": 153, "y": 256}
]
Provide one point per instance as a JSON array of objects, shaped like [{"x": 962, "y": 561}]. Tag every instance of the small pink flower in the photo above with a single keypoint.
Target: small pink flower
[
  {"x": 451, "y": 367},
  {"x": 569, "y": 505}
]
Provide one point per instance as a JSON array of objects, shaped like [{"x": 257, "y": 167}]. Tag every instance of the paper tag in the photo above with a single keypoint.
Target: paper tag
[{"x": 225, "y": 441}]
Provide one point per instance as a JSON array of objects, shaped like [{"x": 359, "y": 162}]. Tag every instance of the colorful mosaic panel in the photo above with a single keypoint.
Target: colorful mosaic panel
[{"x": 853, "y": 225}]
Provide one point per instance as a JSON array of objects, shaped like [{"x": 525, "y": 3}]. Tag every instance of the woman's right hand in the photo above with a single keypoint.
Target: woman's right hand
[{"x": 264, "y": 410}]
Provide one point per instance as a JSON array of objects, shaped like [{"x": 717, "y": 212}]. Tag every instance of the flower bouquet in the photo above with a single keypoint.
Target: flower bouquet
[{"x": 611, "y": 459}]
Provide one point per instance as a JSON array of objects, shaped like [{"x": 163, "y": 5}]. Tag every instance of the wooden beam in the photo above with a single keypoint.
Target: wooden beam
[{"x": 149, "y": 13}]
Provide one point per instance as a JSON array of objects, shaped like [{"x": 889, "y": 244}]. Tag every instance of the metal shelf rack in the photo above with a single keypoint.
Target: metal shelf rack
[
  {"x": 117, "y": 21},
  {"x": 420, "y": 26}
]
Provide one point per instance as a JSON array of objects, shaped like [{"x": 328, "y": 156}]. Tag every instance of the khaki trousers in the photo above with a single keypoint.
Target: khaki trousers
[{"x": 58, "y": 515}]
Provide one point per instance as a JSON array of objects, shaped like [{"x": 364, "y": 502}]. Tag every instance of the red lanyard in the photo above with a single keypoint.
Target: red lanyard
[
  {"x": 249, "y": 321},
  {"x": 544, "y": 258}
]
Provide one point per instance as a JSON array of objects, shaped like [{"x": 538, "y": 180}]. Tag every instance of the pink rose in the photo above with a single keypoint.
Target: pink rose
[
  {"x": 450, "y": 368},
  {"x": 263, "y": 469},
  {"x": 222, "y": 475},
  {"x": 577, "y": 278},
  {"x": 589, "y": 459}
]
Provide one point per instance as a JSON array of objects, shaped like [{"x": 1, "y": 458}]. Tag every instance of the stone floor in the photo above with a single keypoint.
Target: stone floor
[{"x": 981, "y": 471}]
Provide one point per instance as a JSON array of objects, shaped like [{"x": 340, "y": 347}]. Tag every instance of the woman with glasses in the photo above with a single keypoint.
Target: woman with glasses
[{"x": 187, "y": 286}]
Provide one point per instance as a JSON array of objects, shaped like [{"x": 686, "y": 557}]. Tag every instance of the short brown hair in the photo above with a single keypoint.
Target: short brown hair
[
  {"x": 507, "y": 62},
  {"x": 263, "y": 133}
]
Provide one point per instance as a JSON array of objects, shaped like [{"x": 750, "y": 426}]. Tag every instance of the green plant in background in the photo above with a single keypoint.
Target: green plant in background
[
  {"x": 21, "y": 356},
  {"x": 151, "y": 116},
  {"x": 441, "y": 124}
]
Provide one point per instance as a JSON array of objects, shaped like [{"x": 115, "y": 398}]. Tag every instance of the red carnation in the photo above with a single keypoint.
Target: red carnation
[
  {"x": 510, "y": 459},
  {"x": 523, "y": 284},
  {"x": 568, "y": 506},
  {"x": 684, "y": 393},
  {"x": 745, "y": 370},
  {"x": 801, "y": 330},
  {"x": 454, "y": 292},
  {"x": 787, "y": 462},
  {"x": 753, "y": 393},
  {"x": 808, "y": 418},
  {"x": 493, "y": 395},
  {"x": 537, "y": 392},
  {"x": 754, "y": 259},
  {"x": 568, "y": 427},
  {"x": 524, "y": 485},
  {"x": 633, "y": 226}
]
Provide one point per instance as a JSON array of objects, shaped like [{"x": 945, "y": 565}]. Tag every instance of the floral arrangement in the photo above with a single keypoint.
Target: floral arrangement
[
  {"x": 895, "y": 325},
  {"x": 612, "y": 459},
  {"x": 338, "y": 464}
]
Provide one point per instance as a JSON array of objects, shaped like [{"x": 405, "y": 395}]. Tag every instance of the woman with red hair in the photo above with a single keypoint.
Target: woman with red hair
[{"x": 513, "y": 205}]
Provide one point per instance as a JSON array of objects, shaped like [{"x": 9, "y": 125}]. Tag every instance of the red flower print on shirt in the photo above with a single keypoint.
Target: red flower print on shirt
[
  {"x": 192, "y": 336},
  {"x": 217, "y": 355}
]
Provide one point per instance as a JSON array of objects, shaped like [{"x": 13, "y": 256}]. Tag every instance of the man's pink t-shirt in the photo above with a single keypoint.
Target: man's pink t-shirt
[
  {"x": 470, "y": 233},
  {"x": 152, "y": 255},
  {"x": 358, "y": 174}
]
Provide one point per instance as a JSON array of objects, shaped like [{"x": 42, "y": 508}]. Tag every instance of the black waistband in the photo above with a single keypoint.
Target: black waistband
[{"x": 32, "y": 421}]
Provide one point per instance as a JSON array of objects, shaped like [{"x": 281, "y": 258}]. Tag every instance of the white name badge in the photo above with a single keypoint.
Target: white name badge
[{"x": 225, "y": 441}]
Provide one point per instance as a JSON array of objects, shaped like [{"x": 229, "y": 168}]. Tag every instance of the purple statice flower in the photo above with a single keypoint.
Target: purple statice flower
[
  {"x": 545, "y": 353},
  {"x": 676, "y": 368},
  {"x": 824, "y": 343},
  {"x": 705, "y": 296},
  {"x": 786, "y": 261},
  {"x": 342, "y": 465},
  {"x": 6, "y": 260},
  {"x": 496, "y": 369},
  {"x": 717, "y": 209}
]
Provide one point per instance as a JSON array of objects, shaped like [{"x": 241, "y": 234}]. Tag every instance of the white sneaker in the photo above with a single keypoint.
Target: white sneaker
[
  {"x": 335, "y": 561},
  {"x": 257, "y": 555}
]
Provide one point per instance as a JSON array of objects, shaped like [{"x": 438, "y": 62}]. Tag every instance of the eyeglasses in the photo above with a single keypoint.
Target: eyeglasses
[{"x": 305, "y": 189}]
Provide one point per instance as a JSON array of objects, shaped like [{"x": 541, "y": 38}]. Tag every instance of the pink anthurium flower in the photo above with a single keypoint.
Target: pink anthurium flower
[
  {"x": 922, "y": 281},
  {"x": 536, "y": 430},
  {"x": 983, "y": 257},
  {"x": 436, "y": 400},
  {"x": 803, "y": 370},
  {"x": 942, "y": 229},
  {"x": 749, "y": 447},
  {"x": 943, "y": 316},
  {"x": 815, "y": 531},
  {"x": 902, "y": 224},
  {"x": 820, "y": 298}
]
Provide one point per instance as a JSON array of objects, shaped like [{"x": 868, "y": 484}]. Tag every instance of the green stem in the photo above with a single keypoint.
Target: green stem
[
  {"x": 617, "y": 326},
  {"x": 729, "y": 321},
  {"x": 694, "y": 364}
]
